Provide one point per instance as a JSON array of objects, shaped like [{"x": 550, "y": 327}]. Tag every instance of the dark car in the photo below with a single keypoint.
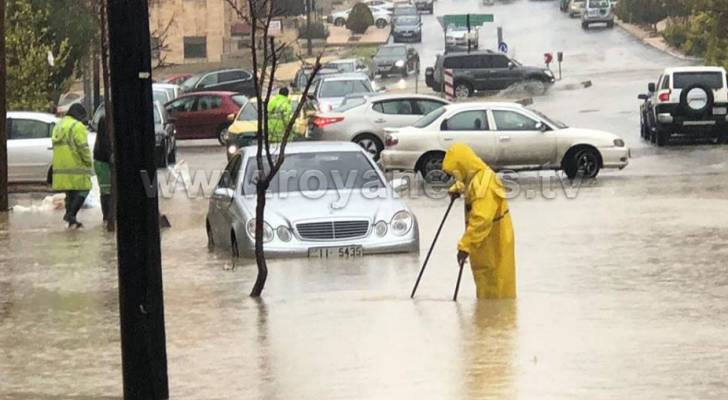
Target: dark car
[
  {"x": 204, "y": 115},
  {"x": 396, "y": 59},
  {"x": 229, "y": 80},
  {"x": 404, "y": 9},
  {"x": 486, "y": 71},
  {"x": 425, "y": 5},
  {"x": 407, "y": 28}
]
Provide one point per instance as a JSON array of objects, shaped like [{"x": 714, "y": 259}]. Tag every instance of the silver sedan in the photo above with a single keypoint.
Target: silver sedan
[
  {"x": 329, "y": 200},
  {"x": 363, "y": 120}
]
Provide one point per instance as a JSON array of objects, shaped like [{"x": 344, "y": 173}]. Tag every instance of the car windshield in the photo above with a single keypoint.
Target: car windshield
[
  {"x": 407, "y": 20},
  {"x": 160, "y": 96},
  {"x": 599, "y": 3},
  {"x": 550, "y": 121},
  {"x": 190, "y": 82},
  {"x": 429, "y": 118},
  {"x": 341, "y": 88},
  {"x": 238, "y": 99},
  {"x": 683, "y": 80},
  {"x": 342, "y": 66},
  {"x": 392, "y": 51},
  {"x": 349, "y": 103},
  {"x": 318, "y": 171}
]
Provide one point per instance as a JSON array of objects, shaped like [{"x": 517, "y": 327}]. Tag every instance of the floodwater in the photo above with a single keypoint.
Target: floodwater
[{"x": 623, "y": 290}]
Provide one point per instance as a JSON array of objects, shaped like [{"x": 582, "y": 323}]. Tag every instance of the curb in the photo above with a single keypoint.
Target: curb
[{"x": 642, "y": 36}]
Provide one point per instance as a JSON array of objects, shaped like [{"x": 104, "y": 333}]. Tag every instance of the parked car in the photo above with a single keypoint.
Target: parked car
[
  {"x": 351, "y": 65},
  {"x": 576, "y": 8},
  {"x": 304, "y": 73},
  {"x": 381, "y": 4},
  {"x": 173, "y": 90},
  {"x": 506, "y": 136},
  {"x": 458, "y": 37},
  {"x": 396, "y": 59},
  {"x": 597, "y": 12},
  {"x": 425, "y": 5},
  {"x": 331, "y": 90},
  {"x": 30, "y": 150},
  {"x": 564, "y": 5},
  {"x": 161, "y": 95},
  {"x": 404, "y": 9},
  {"x": 687, "y": 100},
  {"x": 229, "y": 80},
  {"x": 407, "y": 28},
  {"x": 244, "y": 124},
  {"x": 176, "y": 79},
  {"x": 204, "y": 115},
  {"x": 358, "y": 217},
  {"x": 363, "y": 120},
  {"x": 382, "y": 17},
  {"x": 486, "y": 70}
]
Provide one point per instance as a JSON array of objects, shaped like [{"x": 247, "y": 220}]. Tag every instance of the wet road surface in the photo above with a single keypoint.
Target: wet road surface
[{"x": 622, "y": 290}]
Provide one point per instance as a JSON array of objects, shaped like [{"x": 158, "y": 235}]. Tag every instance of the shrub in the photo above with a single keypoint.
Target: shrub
[
  {"x": 317, "y": 30},
  {"x": 676, "y": 35},
  {"x": 360, "y": 18}
]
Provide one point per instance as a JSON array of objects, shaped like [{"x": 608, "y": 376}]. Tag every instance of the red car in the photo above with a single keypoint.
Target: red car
[
  {"x": 204, "y": 115},
  {"x": 177, "y": 79}
]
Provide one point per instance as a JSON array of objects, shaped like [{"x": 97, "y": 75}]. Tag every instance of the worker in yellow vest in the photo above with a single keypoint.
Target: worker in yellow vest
[
  {"x": 72, "y": 162},
  {"x": 279, "y": 115}
]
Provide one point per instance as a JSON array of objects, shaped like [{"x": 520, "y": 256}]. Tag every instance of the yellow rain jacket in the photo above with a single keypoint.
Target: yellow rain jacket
[
  {"x": 71, "y": 156},
  {"x": 488, "y": 237},
  {"x": 279, "y": 114}
]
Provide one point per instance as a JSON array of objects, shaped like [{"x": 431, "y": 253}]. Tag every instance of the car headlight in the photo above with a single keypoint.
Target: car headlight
[
  {"x": 619, "y": 142},
  {"x": 399, "y": 64},
  {"x": 284, "y": 234},
  {"x": 401, "y": 223},
  {"x": 267, "y": 230},
  {"x": 380, "y": 228},
  {"x": 232, "y": 149},
  {"x": 548, "y": 73}
]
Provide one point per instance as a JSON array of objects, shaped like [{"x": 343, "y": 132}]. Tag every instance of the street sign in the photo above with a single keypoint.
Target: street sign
[
  {"x": 503, "y": 47},
  {"x": 462, "y": 19},
  {"x": 275, "y": 28}
]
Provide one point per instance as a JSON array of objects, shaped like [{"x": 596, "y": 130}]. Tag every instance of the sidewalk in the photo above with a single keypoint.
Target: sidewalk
[
  {"x": 654, "y": 40},
  {"x": 340, "y": 36}
]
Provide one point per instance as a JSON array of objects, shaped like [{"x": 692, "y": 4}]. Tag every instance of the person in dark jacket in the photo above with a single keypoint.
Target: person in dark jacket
[{"x": 102, "y": 166}]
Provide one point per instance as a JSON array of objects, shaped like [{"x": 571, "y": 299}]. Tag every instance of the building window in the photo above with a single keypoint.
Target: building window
[{"x": 195, "y": 46}]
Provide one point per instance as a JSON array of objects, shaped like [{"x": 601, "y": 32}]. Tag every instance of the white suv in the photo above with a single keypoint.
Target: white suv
[{"x": 689, "y": 101}]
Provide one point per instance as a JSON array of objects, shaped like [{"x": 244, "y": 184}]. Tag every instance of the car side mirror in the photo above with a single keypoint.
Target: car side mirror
[
  {"x": 223, "y": 193},
  {"x": 651, "y": 87},
  {"x": 541, "y": 126},
  {"x": 511, "y": 65},
  {"x": 231, "y": 118},
  {"x": 443, "y": 125},
  {"x": 643, "y": 97},
  {"x": 399, "y": 184}
]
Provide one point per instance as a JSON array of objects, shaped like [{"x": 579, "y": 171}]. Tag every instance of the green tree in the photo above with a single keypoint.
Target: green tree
[
  {"x": 30, "y": 76},
  {"x": 360, "y": 18}
]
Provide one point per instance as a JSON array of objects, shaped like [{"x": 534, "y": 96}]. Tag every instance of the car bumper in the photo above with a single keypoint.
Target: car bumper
[
  {"x": 615, "y": 157},
  {"x": 424, "y": 6},
  {"x": 407, "y": 37},
  {"x": 399, "y": 160},
  {"x": 388, "y": 69},
  {"x": 338, "y": 135},
  {"x": 370, "y": 245},
  {"x": 672, "y": 123},
  {"x": 598, "y": 19}
]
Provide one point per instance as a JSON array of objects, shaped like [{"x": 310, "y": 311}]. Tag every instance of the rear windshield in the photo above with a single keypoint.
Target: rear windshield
[
  {"x": 238, "y": 99},
  {"x": 429, "y": 118},
  {"x": 713, "y": 80},
  {"x": 351, "y": 102},
  {"x": 343, "y": 88}
]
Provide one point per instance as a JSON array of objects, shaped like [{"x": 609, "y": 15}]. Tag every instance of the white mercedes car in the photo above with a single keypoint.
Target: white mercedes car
[
  {"x": 506, "y": 136},
  {"x": 30, "y": 150}
]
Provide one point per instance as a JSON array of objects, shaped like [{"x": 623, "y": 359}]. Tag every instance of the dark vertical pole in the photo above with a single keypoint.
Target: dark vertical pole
[
  {"x": 96, "y": 78},
  {"x": 141, "y": 305},
  {"x": 309, "y": 4},
  {"x": 3, "y": 109},
  {"x": 467, "y": 21}
]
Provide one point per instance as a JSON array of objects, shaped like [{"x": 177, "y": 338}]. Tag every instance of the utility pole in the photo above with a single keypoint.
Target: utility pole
[
  {"x": 3, "y": 115},
  {"x": 309, "y": 4},
  {"x": 141, "y": 304}
]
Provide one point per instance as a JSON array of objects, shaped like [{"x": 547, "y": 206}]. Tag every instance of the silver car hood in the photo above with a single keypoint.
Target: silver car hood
[{"x": 291, "y": 208}]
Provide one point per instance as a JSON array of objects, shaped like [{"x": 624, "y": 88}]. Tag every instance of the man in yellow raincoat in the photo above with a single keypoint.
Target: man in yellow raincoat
[
  {"x": 488, "y": 240},
  {"x": 279, "y": 114}
]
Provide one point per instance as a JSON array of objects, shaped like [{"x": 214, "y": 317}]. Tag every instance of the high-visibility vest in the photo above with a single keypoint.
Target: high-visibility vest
[{"x": 71, "y": 156}]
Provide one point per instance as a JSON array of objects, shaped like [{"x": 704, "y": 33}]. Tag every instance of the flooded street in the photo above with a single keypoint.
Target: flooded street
[{"x": 622, "y": 285}]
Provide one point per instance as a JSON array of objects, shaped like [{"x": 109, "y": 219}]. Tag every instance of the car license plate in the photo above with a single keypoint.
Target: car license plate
[
  {"x": 336, "y": 252},
  {"x": 720, "y": 110}
]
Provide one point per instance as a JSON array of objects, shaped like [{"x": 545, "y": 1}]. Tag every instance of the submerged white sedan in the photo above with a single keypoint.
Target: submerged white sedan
[
  {"x": 30, "y": 151},
  {"x": 328, "y": 200},
  {"x": 506, "y": 136}
]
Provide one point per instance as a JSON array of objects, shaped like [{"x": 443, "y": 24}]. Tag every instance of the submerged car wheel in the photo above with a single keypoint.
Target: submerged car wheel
[
  {"x": 463, "y": 90},
  {"x": 339, "y": 22},
  {"x": 430, "y": 167},
  {"x": 535, "y": 87},
  {"x": 235, "y": 252},
  {"x": 222, "y": 135},
  {"x": 381, "y": 23},
  {"x": 371, "y": 144},
  {"x": 583, "y": 162}
]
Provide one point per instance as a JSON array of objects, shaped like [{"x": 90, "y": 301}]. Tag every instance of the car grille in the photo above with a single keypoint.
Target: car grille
[{"x": 333, "y": 230}]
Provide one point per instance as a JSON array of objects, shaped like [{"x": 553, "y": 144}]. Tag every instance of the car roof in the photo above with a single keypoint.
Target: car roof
[
  {"x": 165, "y": 85},
  {"x": 38, "y": 116},
  {"x": 485, "y": 104},
  {"x": 393, "y": 96},
  {"x": 316, "y": 147},
  {"x": 345, "y": 77},
  {"x": 465, "y": 53},
  {"x": 342, "y": 61},
  {"x": 210, "y": 93},
  {"x": 693, "y": 69}
]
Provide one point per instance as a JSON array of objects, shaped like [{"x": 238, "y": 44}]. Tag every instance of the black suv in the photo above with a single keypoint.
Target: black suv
[
  {"x": 486, "y": 71},
  {"x": 228, "y": 80},
  {"x": 690, "y": 101}
]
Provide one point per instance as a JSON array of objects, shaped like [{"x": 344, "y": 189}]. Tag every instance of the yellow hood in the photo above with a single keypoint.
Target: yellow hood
[{"x": 462, "y": 163}]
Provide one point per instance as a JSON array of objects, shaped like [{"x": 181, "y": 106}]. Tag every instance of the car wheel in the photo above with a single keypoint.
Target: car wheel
[
  {"x": 535, "y": 87},
  {"x": 210, "y": 239},
  {"x": 430, "y": 167},
  {"x": 463, "y": 90},
  {"x": 339, "y": 22},
  {"x": 371, "y": 144},
  {"x": 172, "y": 157},
  {"x": 610, "y": 25},
  {"x": 660, "y": 137},
  {"x": 643, "y": 129},
  {"x": 161, "y": 156},
  {"x": 222, "y": 135},
  {"x": 584, "y": 163},
  {"x": 381, "y": 23}
]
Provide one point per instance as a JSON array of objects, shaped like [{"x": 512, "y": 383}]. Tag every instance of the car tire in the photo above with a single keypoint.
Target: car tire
[
  {"x": 430, "y": 167},
  {"x": 463, "y": 90},
  {"x": 234, "y": 248},
  {"x": 172, "y": 157},
  {"x": 381, "y": 23},
  {"x": 222, "y": 135},
  {"x": 610, "y": 25},
  {"x": 370, "y": 143},
  {"x": 339, "y": 22},
  {"x": 697, "y": 112},
  {"x": 161, "y": 155},
  {"x": 644, "y": 134},
  {"x": 585, "y": 26},
  {"x": 210, "y": 238},
  {"x": 584, "y": 162},
  {"x": 535, "y": 87},
  {"x": 661, "y": 137}
]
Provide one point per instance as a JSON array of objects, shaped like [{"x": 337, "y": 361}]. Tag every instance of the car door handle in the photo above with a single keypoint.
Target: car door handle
[
  {"x": 504, "y": 138},
  {"x": 380, "y": 121}
]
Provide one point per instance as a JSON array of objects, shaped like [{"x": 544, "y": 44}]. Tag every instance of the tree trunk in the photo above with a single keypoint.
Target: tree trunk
[
  {"x": 109, "y": 110},
  {"x": 261, "y": 189},
  {"x": 3, "y": 109}
]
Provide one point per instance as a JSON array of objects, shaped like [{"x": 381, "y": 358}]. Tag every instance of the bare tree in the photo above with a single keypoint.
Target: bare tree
[
  {"x": 3, "y": 115},
  {"x": 160, "y": 44},
  {"x": 265, "y": 52}
]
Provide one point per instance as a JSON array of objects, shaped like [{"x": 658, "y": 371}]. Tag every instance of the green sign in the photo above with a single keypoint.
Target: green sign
[{"x": 462, "y": 19}]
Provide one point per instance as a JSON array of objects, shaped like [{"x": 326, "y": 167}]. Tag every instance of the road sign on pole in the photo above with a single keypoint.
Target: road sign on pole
[
  {"x": 462, "y": 19},
  {"x": 448, "y": 85},
  {"x": 503, "y": 47}
]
